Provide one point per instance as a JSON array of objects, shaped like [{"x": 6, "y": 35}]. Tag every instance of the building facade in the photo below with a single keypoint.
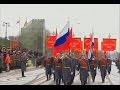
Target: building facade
[{"x": 33, "y": 35}]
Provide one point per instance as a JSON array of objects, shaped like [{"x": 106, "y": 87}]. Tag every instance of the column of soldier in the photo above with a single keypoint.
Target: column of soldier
[{"x": 64, "y": 67}]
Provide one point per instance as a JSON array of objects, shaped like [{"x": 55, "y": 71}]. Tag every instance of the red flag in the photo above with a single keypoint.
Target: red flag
[
  {"x": 108, "y": 44},
  {"x": 50, "y": 40},
  {"x": 76, "y": 44},
  {"x": 87, "y": 42}
]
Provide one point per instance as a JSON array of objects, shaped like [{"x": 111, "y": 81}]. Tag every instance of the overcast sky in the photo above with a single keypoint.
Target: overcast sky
[{"x": 104, "y": 18}]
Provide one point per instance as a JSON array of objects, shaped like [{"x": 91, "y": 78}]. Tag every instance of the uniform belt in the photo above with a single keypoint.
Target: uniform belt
[
  {"x": 83, "y": 67},
  {"x": 58, "y": 66},
  {"x": 66, "y": 67},
  {"x": 102, "y": 65}
]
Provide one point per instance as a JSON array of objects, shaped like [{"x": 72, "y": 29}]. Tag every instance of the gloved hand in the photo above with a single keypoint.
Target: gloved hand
[
  {"x": 71, "y": 73},
  {"x": 53, "y": 71},
  {"x": 94, "y": 68}
]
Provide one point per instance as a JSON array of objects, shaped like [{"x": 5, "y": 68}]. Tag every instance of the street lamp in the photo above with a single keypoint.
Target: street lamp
[{"x": 6, "y": 24}]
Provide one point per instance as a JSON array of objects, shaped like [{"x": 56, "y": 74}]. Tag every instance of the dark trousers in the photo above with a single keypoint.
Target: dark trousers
[
  {"x": 22, "y": 73},
  {"x": 0, "y": 70},
  {"x": 58, "y": 81},
  {"x": 48, "y": 76}
]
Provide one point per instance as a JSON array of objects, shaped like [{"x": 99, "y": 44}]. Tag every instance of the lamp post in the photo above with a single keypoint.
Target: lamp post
[{"x": 5, "y": 24}]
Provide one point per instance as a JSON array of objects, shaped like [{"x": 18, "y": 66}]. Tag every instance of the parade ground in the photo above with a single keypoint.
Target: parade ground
[{"x": 36, "y": 76}]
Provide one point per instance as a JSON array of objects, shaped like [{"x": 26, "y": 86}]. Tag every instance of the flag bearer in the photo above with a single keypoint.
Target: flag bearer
[{"x": 93, "y": 67}]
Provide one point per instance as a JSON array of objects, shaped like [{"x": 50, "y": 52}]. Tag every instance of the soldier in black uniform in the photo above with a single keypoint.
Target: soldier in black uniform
[
  {"x": 93, "y": 68},
  {"x": 67, "y": 69},
  {"x": 103, "y": 67},
  {"x": 109, "y": 62},
  {"x": 83, "y": 68}
]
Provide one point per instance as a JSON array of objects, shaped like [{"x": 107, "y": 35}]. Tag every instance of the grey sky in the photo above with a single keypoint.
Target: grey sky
[{"x": 104, "y": 18}]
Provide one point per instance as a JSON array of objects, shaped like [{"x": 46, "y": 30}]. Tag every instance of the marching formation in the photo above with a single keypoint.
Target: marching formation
[{"x": 64, "y": 66}]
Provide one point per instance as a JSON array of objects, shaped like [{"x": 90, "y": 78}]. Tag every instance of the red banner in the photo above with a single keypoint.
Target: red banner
[
  {"x": 14, "y": 44},
  {"x": 76, "y": 44},
  {"x": 108, "y": 44},
  {"x": 87, "y": 42},
  {"x": 50, "y": 40}
]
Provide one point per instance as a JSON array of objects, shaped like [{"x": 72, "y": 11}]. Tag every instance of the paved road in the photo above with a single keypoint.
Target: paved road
[{"x": 37, "y": 77}]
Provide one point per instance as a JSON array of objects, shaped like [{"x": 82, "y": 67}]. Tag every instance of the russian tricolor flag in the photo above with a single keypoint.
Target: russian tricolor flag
[
  {"x": 62, "y": 41},
  {"x": 90, "y": 53}
]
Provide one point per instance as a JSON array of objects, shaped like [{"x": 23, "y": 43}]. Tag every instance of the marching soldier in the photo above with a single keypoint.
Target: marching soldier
[
  {"x": 109, "y": 62},
  {"x": 93, "y": 67},
  {"x": 48, "y": 67},
  {"x": 73, "y": 68},
  {"x": 83, "y": 68},
  {"x": 58, "y": 70},
  {"x": 67, "y": 70},
  {"x": 103, "y": 67},
  {"x": 118, "y": 65},
  {"x": 52, "y": 65}
]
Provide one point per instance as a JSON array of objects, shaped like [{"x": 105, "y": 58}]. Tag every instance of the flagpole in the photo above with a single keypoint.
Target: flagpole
[{"x": 19, "y": 27}]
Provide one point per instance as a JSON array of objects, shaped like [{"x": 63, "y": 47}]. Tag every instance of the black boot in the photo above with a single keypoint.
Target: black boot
[
  {"x": 103, "y": 80},
  {"x": 23, "y": 74},
  {"x": 47, "y": 77},
  {"x": 56, "y": 81}
]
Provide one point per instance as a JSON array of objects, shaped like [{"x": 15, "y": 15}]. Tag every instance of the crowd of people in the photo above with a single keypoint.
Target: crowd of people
[{"x": 16, "y": 58}]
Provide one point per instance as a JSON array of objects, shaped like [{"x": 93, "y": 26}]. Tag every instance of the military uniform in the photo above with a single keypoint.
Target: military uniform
[
  {"x": 109, "y": 62},
  {"x": 58, "y": 70},
  {"x": 48, "y": 67},
  {"x": 118, "y": 65},
  {"x": 83, "y": 68},
  {"x": 67, "y": 68},
  {"x": 74, "y": 63},
  {"x": 103, "y": 67},
  {"x": 1, "y": 63},
  {"x": 93, "y": 67}
]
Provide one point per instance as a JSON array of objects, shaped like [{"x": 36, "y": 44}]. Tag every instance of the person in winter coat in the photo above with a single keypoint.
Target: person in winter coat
[
  {"x": 8, "y": 61},
  {"x": 23, "y": 63}
]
